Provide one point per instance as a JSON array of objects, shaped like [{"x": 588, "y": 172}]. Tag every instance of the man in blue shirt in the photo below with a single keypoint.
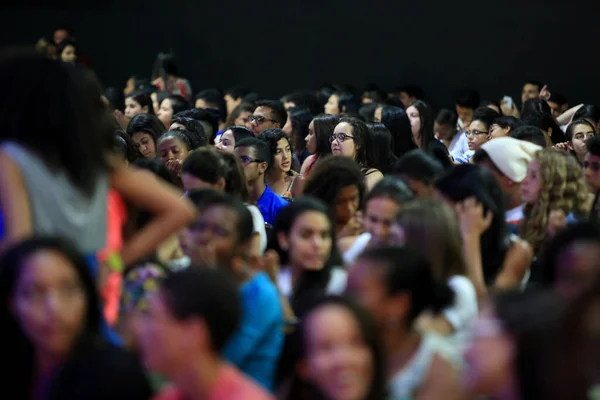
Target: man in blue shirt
[{"x": 256, "y": 158}]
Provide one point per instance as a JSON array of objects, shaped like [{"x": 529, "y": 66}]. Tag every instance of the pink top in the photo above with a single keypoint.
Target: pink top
[{"x": 231, "y": 384}]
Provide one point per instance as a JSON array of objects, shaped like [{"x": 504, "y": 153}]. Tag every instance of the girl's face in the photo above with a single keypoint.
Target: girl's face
[
  {"x": 311, "y": 138},
  {"x": 347, "y": 203},
  {"x": 243, "y": 120},
  {"x": 68, "y": 55},
  {"x": 379, "y": 216},
  {"x": 497, "y": 131},
  {"x": 581, "y": 133},
  {"x": 532, "y": 185},
  {"x": 227, "y": 142},
  {"x": 171, "y": 148},
  {"x": 415, "y": 121},
  {"x": 145, "y": 144},
  {"x": 340, "y": 364},
  {"x": 477, "y": 135},
  {"x": 343, "y": 143},
  {"x": 309, "y": 241},
  {"x": 49, "y": 302},
  {"x": 133, "y": 108},
  {"x": 332, "y": 106},
  {"x": 165, "y": 113},
  {"x": 283, "y": 155}
]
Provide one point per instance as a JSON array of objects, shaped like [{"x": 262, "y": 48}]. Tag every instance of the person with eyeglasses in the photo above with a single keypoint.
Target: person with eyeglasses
[
  {"x": 477, "y": 133},
  {"x": 268, "y": 114},
  {"x": 256, "y": 158}
]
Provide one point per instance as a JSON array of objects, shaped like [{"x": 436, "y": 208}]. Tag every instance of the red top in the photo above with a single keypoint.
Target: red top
[{"x": 231, "y": 384}]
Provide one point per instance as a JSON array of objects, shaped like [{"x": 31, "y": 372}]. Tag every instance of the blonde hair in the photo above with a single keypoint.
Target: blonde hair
[
  {"x": 576, "y": 192},
  {"x": 552, "y": 165},
  {"x": 431, "y": 227}
]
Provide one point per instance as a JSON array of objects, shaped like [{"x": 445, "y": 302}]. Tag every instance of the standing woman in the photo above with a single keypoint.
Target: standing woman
[
  {"x": 144, "y": 130},
  {"x": 50, "y": 316},
  {"x": 166, "y": 79},
  {"x": 304, "y": 241},
  {"x": 317, "y": 140},
  {"x": 422, "y": 121},
  {"x": 138, "y": 102},
  {"x": 281, "y": 178},
  {"x": 56, "y": 169},
  {"x": 351, "y": 139},
  {"x": 170, "y": 106}
]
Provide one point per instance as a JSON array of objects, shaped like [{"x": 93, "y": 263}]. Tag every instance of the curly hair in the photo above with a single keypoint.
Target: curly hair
[
  {"x": 576, "y": 192},
  {"x": 552, "y": 166}
]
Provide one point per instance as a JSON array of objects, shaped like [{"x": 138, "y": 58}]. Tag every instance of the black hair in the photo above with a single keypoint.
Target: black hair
[
  {"x": 324, "y": 126},
  {"x": 235, "y": 113},
  {"x": 237, "y": 92},
  {"x": 272, "y": 137},
  {"x": 508, "y": 122},
  {"x": 178, "y": 103},
  {"x": 533, "y": 106},
  {"x": 545, "y": 122},
  {"x": 413, "y": 276},
  {"x": 380, "y": 154},
  {"x": 530, "y": 134},
  {"x": 447, "y": 117},
  {"x": 208, "y": 119},
  {"x": 206, "y": 198},
  {"x": 588, "y": 232},
  {"x": 209, "y": 294},
  {"x": 309, "y": 282},
  {"x": 485, "y": 115},
  {"x": 558, "y": 98},
  {"x": 420, "y": 166},
  {"x": 593, "y": 146},
  {"x": 17, "y": 346},
  {"x": 300, "y": 119},
  {"x": 572, "y": 125},
  {"x": 143, "y": 99},
  {"x": 278, "y": 112},
  {"x": 261, "y": 148},
  {"x": 330, "y": 176},
  {"x": 240, "y": 133},
  {"x": 398, "y": 123},
  {"x": 588, "y": 111},
  {"x": 367, "y": 111},
  {"x": 324, "y": 93},
  {"x": 179, "y": 135},
  {"x": 391, "y": 188},
  {"x": 155, "y": 166},
  {"x": 125, "y": 146},
  {"x": 370, "y": 336},
  {"x": 469, "y": 180},
  {"x": 412, "y": 91},
  {"x": 468, "y": 98},
  {"x": 72, "y": 130},
  {"x": 214, "y": 99},
  {"x": 60, "y": 47},
  {"x": 426, "y": 117},
  {"x": 488, "y": 103},
  {"x": 534, "y": 82},
  {"x": 193, "y": 129},
  {"x": 304, "y": 100},
  {"x": 146, "y": 123},
  {"x": 115, "y": 98},
  {"x": 164, "y": 65},
  {"x": 375, "y": 93},
  {"x": 362, "y": 140},
  {"x": 348, "y": 102},
  {"x": 210, "y": 165}
]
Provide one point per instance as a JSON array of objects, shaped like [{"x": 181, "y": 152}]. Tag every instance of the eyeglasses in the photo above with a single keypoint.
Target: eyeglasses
[
  {"x": 341, "y": 137},
  {"x": 259, "y": 119},
  {"x": 249, "y": 160},
  {"x": 476, "y": 133}
]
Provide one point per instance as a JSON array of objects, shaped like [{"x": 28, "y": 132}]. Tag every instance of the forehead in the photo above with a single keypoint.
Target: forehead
[
  {"x": 343, "y": 127},
  {"x": 348, "y": 192},
  {"x": 47, "y": 266},
  {"x": 582, "y": 128},
  {"x": 283, "y": 142},
  {"x": 530, "y": 87},
  {"x": 263, "y": 111},
  {"x": 219, "y": 214},
  {"x": 140, "y": 136},
  {"x": 479, "y": 125},
  {"x": 312, "y": 219},
  {"x": 170, "y": 142},
  {"x": 245, "y": 151},
  {"x": 412, "y": 109}
]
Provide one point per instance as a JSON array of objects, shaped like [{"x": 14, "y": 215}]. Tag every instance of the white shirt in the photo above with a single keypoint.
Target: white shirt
[
  {"x": 337, "y": 282},
  {"x": 357, "y": 248},
  {"x": 461, "y": 146},
  {"x": 259, "y": 226},
  {"x": 463, "y": 310},
  {"x": 514, "y": 214}
]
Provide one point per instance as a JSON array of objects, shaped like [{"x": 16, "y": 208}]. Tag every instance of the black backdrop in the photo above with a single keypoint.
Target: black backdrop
[{"x": 276, "y": 46}]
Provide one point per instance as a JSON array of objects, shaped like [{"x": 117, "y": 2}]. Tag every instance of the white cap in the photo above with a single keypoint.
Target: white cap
[{"x": 511, "y": 156}]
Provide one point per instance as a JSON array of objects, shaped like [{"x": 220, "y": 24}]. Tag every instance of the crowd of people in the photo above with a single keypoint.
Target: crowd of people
[{"x": 331, "y": 244}]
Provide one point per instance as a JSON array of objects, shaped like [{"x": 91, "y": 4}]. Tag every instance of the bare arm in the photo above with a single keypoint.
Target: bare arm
[
  {"x": 517, "y": 261},
  {"x": 442, "y": 382},
  {"x": 567, "y": 116},
  {"x": 14, "y": 203},
  {"x": 305, "y": 165},
  {"x": 372, "y": 179},
  {"x": 171, "y": 213}
]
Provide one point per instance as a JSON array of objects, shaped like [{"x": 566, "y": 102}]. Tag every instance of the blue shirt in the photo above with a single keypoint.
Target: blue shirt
[
  {"x": 255, "y": 347},
  {"x": 269, "y": 205}
]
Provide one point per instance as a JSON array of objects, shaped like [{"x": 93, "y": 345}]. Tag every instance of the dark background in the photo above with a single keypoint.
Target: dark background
[{"x": 275, "y": 47}]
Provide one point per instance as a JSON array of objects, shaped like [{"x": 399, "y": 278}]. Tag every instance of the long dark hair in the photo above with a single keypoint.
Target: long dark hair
[
  {"x": 380, "y": 155},
  {"x": 324, "y": 125},
  {"x": 20, "y": 377},
  {"x": 143, "y": 99},
  {"x": 70, "y": 129},
  {"x": 396, "y": 120},
  {"x": 427, "y": 120},
  {"x": 300, "y": 118}
]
